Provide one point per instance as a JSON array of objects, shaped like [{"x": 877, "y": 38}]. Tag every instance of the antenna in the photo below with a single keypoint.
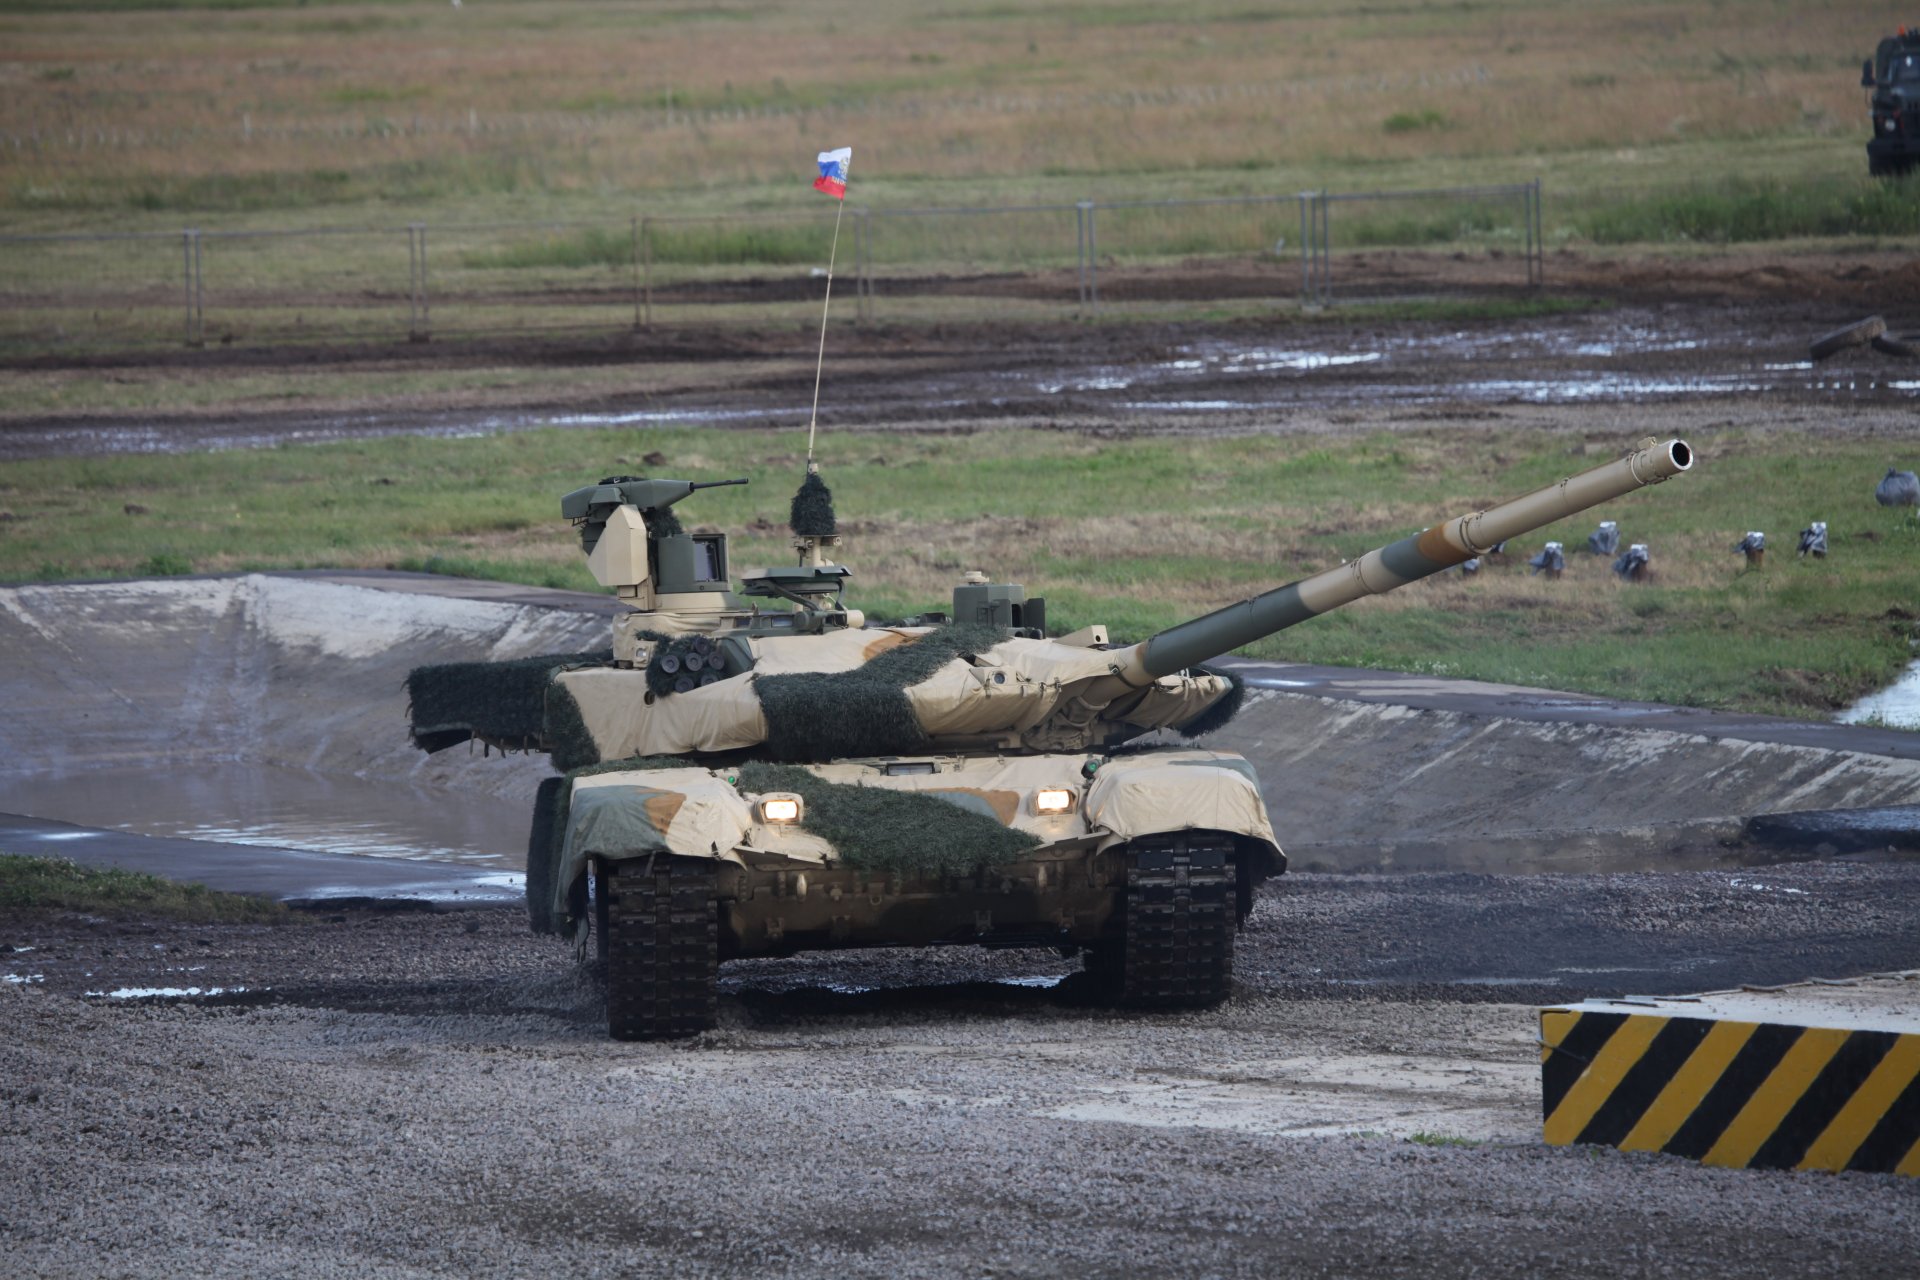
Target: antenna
[{"x": 834, "y": 166}]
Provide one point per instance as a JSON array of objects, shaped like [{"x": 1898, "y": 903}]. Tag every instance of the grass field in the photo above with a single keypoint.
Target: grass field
[
  {"x": 56, "y": 884},
  {"x": 532, "y": 137},
  {"x": 142, "y": 112},
  {"x": 1138, "y": 535}
]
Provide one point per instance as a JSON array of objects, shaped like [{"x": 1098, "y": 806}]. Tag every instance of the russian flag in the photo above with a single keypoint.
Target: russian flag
[{"x": 833, "y": 172}]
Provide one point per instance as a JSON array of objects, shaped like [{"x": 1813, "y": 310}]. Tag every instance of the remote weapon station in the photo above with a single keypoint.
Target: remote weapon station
[{"x": 762, "y": 772}]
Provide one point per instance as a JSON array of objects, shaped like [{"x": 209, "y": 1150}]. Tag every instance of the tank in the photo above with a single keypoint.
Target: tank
[{"x": 766, "y": 771}]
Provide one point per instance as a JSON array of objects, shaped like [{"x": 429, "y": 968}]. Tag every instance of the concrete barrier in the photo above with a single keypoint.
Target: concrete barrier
[{"x": 1818, "y": 1075}]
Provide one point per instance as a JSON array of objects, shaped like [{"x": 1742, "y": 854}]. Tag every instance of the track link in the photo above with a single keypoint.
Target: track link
[
  {"x": 662, "y": 941},
  {"x": 1180, "y": 916}
]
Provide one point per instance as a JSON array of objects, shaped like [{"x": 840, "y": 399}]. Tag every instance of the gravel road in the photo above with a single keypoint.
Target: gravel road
[{"x": 416, "y": 1094}]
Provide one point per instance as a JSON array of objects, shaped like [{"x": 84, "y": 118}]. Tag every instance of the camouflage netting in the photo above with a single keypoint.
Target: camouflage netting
[
  {"x": 543, "y": 853},
  {"x": 812, "y": 513},
  {"x": 874, "y": 829},
  {"x": 568, "y": 743},
  {"x": 1217, "y": 715},
  {"x": 501, "y": 701},
  {"x": 814, "y": 716}
]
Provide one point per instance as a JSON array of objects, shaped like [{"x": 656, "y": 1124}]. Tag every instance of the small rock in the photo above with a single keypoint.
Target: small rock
[
  {"x": 654, "y": 459},
  {"x": 134, "y": 509}
]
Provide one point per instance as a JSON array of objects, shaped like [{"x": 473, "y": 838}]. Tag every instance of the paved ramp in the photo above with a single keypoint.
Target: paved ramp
[{"x": 291, "y": 875}]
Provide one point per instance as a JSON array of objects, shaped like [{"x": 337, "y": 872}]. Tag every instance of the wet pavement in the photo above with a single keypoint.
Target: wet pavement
[
  {"x": 1545, "y": 706},
  {"x": 1898, "y": 704},
  {"x": 292, "y": 875},
  {"x": 235, "y": 803}
]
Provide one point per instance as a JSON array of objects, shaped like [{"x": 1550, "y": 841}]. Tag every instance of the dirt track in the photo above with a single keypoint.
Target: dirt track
[
  {"x": 1694, "y": 335},
  {"x": 406, "y": 1095}
]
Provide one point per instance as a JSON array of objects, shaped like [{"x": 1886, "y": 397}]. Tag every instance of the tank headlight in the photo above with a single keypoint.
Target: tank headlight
[
  {"x": 780, "y": 809},
  {"x": 1051, "y": 800}
]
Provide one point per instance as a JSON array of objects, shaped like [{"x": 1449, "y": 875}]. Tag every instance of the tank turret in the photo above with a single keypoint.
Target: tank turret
[{"x": 779, "y": 681}]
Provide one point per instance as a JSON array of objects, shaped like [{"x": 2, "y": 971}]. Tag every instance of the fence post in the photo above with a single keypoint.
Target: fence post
[
  {"x": 1527, "y": 203},
  {"x": 413, "y": 283},
  {"x": 199, "y": 296},
  {"x": 864, "y": 284},
  {"x": 1537, "y": 274},
  {"x": 186, "y": 285},
  {"x": 646, "y": 273},
  {"x": 1325, "y": 275},
  {"x": 193, "y": 295},
  {"x": 419, "y": 325},
  {"x": 426, "y": 300},
  {"x": 634, "y": 251},
  {"x": 1080, "y": 252},
  {"x": 859, "y": 267},
  {"x": 1093, "y": 261},
  {"x": 1306, "y": 250}
]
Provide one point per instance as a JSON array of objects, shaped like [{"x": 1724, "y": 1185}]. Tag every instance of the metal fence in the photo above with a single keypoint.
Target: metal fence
[
  {"x": 1374, "y": 227},
  {"x": 203, "y": 286}
]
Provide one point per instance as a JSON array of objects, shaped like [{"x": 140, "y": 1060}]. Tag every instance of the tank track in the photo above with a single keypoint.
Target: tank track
[
  {"x": 1181, "y": 914},
  {"x": 662, "y": 947}
]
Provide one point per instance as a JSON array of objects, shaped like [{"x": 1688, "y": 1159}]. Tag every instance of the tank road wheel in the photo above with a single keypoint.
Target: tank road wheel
[
  {"x": 662, "y": 947},
  {"x": 1180, "y": 915}
]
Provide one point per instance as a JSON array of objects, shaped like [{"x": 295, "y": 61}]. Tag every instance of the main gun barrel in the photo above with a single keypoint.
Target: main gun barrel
[{"x": 1395, "y": 565}]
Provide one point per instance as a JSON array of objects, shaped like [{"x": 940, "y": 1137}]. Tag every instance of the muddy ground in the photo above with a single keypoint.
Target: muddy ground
[
  {"x": 1700, "y": 336},
  {"x": 433, "y": 1094}
]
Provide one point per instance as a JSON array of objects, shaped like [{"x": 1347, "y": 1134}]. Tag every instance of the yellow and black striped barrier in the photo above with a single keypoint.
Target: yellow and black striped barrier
[{"x": 1813, "y": 1076}]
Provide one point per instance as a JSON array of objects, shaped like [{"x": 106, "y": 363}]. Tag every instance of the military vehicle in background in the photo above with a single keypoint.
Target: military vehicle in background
[
  {"x": 765, "y": 772},
  {"x": 1892, "y": 79}
]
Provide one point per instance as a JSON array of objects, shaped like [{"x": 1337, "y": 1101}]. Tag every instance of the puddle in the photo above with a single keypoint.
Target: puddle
[
  {"x": 164, "y": 993},
  {"x": 1155, "y": 388},
  {"x": 282, "y": 808},
  {"x": 1758, "y": 887},
  {"x": 1897, "y": 706}
]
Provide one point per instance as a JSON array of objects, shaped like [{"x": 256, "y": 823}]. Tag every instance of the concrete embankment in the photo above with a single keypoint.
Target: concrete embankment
[
  {"x": 1380, "y": 785},
  {"x": 143, "y": 683},
  {"x": 296, "y": 672}
]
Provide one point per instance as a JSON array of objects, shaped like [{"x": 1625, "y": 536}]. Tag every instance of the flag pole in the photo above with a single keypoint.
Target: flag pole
[{"x": 820, "y": 359}]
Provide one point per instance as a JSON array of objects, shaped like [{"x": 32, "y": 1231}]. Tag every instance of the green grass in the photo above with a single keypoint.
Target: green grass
[
  {"x": 1137, "y": 534},
  {"x": 1414, "y": 121},
  {"x": 1524, "y": 307},
  {"x": 586, "y": 247},
  {"x": 1743, "y": 211},
  {"x": 55, "y": 884},
  {"x": 1426, "y": 1139}
]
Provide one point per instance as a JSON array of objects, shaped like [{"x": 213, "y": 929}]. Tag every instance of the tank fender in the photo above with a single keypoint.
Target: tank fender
[
  {"x": 691, "y": 812},
  {"x": 1158, "y": 791}
]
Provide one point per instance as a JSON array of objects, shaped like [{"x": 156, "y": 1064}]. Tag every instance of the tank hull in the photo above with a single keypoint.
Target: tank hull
[{"x": 928, "y": 872}]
